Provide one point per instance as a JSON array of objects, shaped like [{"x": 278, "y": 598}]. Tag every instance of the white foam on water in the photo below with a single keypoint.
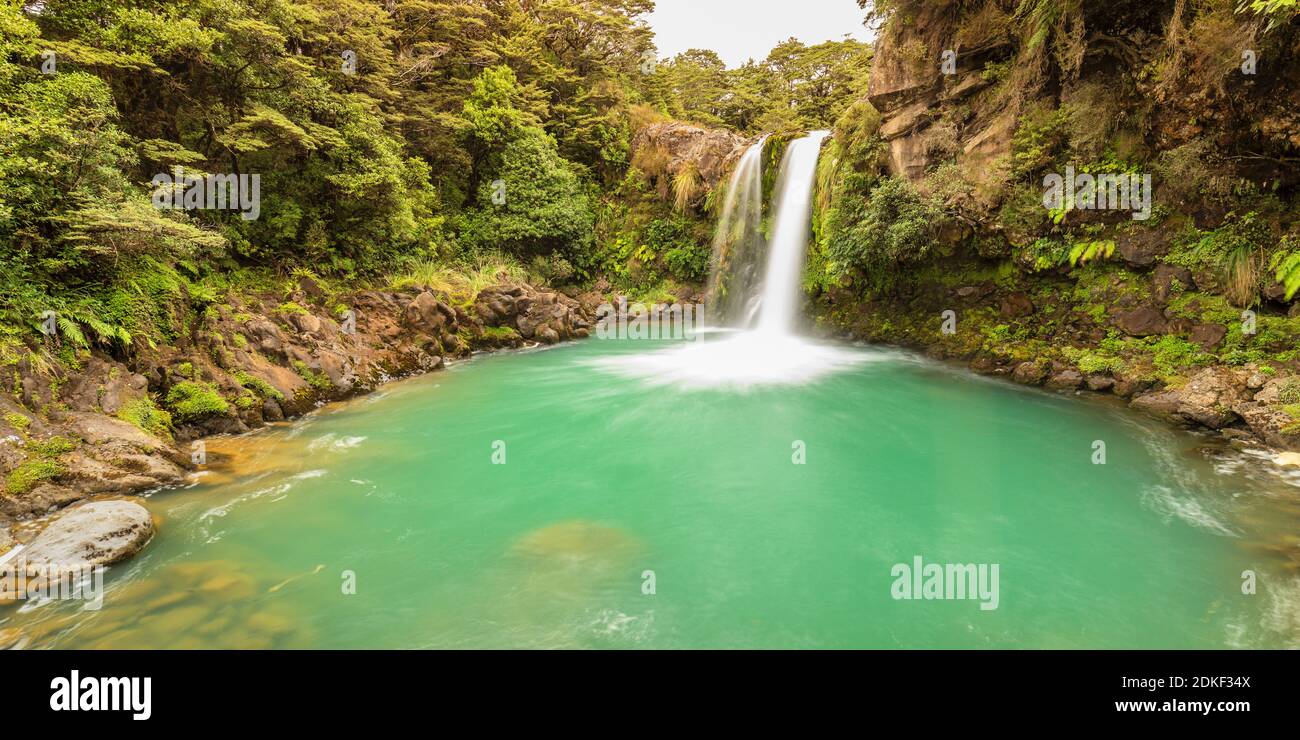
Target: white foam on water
[{"x": 741, "y": 362}]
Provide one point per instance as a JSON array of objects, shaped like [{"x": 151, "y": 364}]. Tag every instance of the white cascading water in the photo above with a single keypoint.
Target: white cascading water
[
  {"x": 738, "y": 242},
  {"x": 789, "y": 244},
  {"x": 769, "y": 353}
]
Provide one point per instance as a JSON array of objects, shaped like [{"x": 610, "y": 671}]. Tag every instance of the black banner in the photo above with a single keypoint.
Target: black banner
[{"x": 972, "y": 689}]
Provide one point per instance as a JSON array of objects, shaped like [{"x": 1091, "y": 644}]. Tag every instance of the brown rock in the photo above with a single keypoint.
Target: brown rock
[
  {"x": 1144, "y": 321},
  {"x": 1066, "y": 380},
  {"x": 1163, "y": 280},
  {"x": 1029, "y": 373},
  {"x": 1208, "y": 335},
  {"x": 1207, "y": 399},
  {"x": 1015, "y": 305},
  {"x": 1100, "y": 383}
]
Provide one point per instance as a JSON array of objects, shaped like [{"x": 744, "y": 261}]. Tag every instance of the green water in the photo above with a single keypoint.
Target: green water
[{"x": 606, "y": 478}]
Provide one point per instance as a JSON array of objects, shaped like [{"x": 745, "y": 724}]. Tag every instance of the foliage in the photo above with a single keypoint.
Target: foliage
[
  {"x": 892, "y": 225},
  {"x": 191, "y": 400},
  {"x": 144, "y": 414}
]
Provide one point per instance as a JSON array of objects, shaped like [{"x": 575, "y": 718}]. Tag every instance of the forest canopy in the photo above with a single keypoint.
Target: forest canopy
[{"x": 380, "y": 134}]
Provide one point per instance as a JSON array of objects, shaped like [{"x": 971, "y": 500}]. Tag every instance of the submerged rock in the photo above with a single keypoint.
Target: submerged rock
[{"x": 575, "y": 541}]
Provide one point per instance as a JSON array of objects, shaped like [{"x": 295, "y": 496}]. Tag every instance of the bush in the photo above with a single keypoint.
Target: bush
[
  {"x": 545, "y": 208},
  {"x": 894, "y": 225}
]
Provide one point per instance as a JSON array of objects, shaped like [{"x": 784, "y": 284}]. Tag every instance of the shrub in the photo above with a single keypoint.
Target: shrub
[
  {"x": 545, "y": 208},
  {"x": 894, "y": 225}
]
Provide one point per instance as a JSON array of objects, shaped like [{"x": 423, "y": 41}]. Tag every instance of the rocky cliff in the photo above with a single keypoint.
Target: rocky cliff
[
  {"x": 111, "y": 426},
  {"x": 974, "y": 106}
]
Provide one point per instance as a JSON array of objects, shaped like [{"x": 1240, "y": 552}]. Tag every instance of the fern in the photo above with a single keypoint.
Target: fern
[
  {"x": 72, "y": 331},
  {"x": 1085, "y": 252},
  {"x": 1286, "y": 268}
]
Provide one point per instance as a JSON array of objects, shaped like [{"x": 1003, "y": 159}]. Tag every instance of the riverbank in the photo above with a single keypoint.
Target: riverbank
[
  {"x": 99, "y": 426},
  {"x": 1147, "y": 337}
]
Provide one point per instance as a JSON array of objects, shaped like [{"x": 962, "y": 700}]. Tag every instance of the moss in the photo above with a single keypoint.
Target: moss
[
  {"x": 191, "y": 400},
  {"x": 246, "y": 400},
  {"x": 52, "y": 447},
  {"x": 185, "y": 369},
  {"x": 500, "y": 333},
  {"x": 1290, "y": 392},
  {"x": 239, "y": 340},
  {"x": 316, "y": 380},
  {"x": 18, "y": 421},
  {"x": 27, "y": 475},
  {"x": 289, "y": 307},
  {"x": 1096, "y": 363},
  {"x": 257, "y": 385},
  {"x": 145, "y": 415},
  {"x": 1172, "y": 355}
]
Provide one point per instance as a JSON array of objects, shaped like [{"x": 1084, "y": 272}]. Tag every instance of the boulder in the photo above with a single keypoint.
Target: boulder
[
  {"x": 1142, "y": 247},
  {"x": 1100, "y": 383},
  {"x": 1066, "y": 380},
  {"x": 95, "y": 533},
  {"x": 1015, "y": 305},
  {"x": 428, "y": 315},
  {"x": 1162, "y": 280},
  {"x": 1207, "y": 399},
  {"x": 305, "y": 323},
  {"x": 1268, "y": 423},
  {"x": 1029, "y": 373},
  {"x": 1208, "y": 335},
  {"x": 1143, "y": 321}
]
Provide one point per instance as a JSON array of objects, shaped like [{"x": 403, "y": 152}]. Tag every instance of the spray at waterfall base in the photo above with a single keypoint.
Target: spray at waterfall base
[{"x": 654, "y": 321}]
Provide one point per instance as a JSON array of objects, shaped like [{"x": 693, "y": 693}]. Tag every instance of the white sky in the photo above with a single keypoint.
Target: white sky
[{"x": 743, "y": 29}]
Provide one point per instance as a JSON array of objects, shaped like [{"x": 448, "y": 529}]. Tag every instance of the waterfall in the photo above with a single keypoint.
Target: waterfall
[
  {"x": 794, "y": 188},
  {"x": 738, "y": 241},
  {"x": 766, "y": 352}
]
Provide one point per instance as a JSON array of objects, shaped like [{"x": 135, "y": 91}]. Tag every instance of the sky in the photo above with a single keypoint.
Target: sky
[{"x": 743, "y": 29}]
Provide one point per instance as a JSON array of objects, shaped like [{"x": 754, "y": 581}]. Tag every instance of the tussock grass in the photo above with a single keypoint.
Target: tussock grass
[{"x": 461, "y": 282}]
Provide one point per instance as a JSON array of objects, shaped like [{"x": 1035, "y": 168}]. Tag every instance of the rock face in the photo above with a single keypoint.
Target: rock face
[
  {"x": 267, "y": 359},
  {"x": 679, "y": 145},
  {"x": 1144, "y": 321},
  {"x": 1207, "y": 399},
  {"x": 95, "y": 533},
  {"x": 929, "y": 113}
]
